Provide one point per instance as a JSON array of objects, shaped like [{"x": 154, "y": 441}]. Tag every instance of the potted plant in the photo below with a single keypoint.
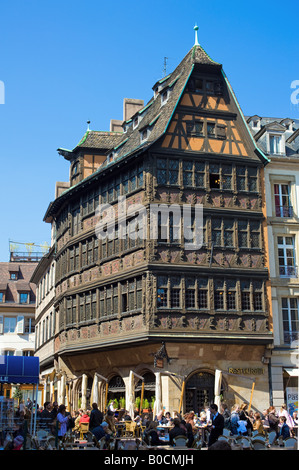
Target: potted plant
[
  {"x": 145, "y": 406},
  {"x": 122, "y": 403},
  {"x": 137, "y": 403}
]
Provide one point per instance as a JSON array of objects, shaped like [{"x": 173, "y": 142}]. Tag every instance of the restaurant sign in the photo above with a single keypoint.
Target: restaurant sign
[{"x": 246, "y": 371}]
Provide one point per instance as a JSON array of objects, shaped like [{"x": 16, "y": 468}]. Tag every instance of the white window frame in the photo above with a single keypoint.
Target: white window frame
[
  {"x": 6, "y": 323},
  {"x": 284, "y": 246},
  {"x": 20, "y": 325},
  {"x": 289, "y": 310},
  {"x": 281, "y": 150}
]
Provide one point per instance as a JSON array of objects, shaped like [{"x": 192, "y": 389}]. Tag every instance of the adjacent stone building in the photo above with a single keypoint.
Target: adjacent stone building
[
  {"x": 195, "y": 324},
  {"x": 17, "y": 311},
  {"x": 279, "y": 140}
]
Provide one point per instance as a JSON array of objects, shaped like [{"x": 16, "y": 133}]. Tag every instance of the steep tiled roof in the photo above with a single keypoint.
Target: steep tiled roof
[
  {"x": 157, "y": 116},
  {"x": 99, "y": 140},
  {"x": 154, "y": 115}
]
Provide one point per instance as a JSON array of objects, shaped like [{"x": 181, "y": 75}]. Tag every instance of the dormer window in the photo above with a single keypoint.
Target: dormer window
[
  {"x": 254, "y": 122},
  {"x": 144, "y": 134},
  {"x": 164, "y": 97},
  {"x": 275, "y": 144},
  {"x": 135, "y": 122},
  {"x": 13, "y": 275},
  {"x": 24, "y": 298}
]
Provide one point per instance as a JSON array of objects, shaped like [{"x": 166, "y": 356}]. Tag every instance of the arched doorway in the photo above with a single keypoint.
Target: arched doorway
[
  {"x": 116, "y": 390},
  {"x": 199, "y": 391},
  {"x": 149, "y": 390}
]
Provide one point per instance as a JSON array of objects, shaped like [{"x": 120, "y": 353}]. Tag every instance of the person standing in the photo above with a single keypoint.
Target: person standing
[
  {"x": 217, "y": 424},
  {"x": 273, "y": 420},
  {"x": 226, "y": 415},
  {"x": 46, "y": 417},
  {"x": 234, "y": 418},
  {"x": 62, "y": 420},
  {"x": 29, "y": 404},
  {"x": 284, "y": 412},
  {"x": 96, "y": 417},
  {"x": 284, "y": 430}
]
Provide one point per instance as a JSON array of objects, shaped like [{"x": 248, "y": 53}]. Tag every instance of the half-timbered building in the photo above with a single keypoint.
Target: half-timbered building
[{"x": 194, "y": 322}]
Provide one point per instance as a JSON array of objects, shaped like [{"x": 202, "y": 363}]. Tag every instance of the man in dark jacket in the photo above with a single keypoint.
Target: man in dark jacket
[
  {"x": 177, "y": 430},
  {"x": 96, "y": 417},
  {"x": 46, "y": 418},
  {"x": 217, "y": 424}
]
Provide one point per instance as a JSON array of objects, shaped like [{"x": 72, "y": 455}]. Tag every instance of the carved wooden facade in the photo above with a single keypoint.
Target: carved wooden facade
[{"x": 199, "y": 151}]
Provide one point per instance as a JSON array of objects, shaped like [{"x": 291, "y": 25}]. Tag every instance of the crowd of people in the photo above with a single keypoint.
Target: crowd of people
[{"x": 239, "y": 420}]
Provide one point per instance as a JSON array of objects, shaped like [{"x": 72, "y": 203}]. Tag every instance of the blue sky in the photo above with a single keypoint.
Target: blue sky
[{"x": 66, "y": 62}]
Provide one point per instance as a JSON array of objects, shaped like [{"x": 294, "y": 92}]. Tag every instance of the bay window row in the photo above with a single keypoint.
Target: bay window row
[
  {"x": 207, "y": 175},
  {"x": 222, "y": 232},
  {"x": 112, "y": 299},
  {"x": 107, "y": 192},
  {"x": 207, "y": 294}
]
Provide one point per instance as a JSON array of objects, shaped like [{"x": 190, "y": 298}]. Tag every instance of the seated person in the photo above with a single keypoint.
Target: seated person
[
  {"x": 84, "y": 418},
  {"x": 202, "y": 419},
  {"x": 177, "y": 430},
  {"x": 127, "y": 417},
  {"x": 160, "y": 419},
  {"x": 151, "y": 432},
  {"x": 258, "y": 424},
  {"x": 110, "y": 419},
  {"x": 101, "y": 431},
  {"x": 145, "y": 419}
]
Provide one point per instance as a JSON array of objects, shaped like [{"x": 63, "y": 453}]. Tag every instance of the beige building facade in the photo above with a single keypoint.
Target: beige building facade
[{"x": 279, "y": 139}]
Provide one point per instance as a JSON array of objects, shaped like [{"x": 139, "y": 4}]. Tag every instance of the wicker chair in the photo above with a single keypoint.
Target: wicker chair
[
  {"x": 83, "y": 428},
  {"x": 130, "y": 428},
  {"x": 180, "y": 441}
]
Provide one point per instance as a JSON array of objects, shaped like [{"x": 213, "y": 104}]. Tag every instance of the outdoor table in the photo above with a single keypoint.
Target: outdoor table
[
  {"x": 164, "y": 438},
  {"x": 203, "y": 431},
  {"x": 80, "y": 445}
]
